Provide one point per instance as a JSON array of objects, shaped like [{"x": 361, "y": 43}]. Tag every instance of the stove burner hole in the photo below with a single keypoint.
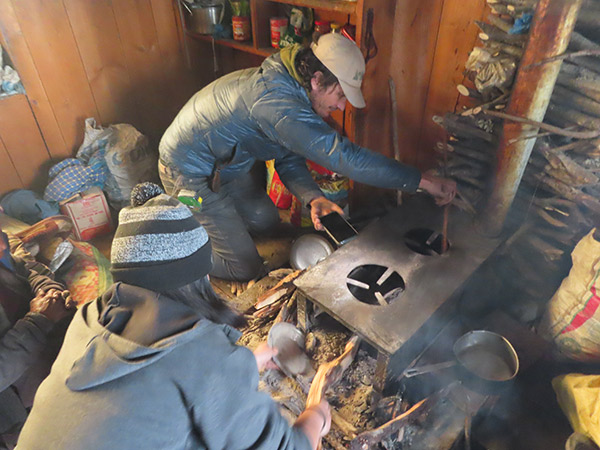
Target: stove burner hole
[
  {"x": 425, "y": 241},
  {"x": 374, "y": 284}
]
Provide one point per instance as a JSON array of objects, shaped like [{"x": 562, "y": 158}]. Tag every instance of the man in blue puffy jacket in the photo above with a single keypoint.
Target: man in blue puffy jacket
[{"x": 274, "y": 111}]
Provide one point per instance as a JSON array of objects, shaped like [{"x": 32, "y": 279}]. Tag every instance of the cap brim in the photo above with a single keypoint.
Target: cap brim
[{"x": 353, "y": 94}]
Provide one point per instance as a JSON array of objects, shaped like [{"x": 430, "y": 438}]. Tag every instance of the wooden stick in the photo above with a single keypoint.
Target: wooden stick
[
  {"x": 545, "y": 126},
  {"x": 396, "y": 138},
  {"x": 330, "y": 373},
  {"x": 563, "y": 56},
  {"x": 445, "y": 228},
  {"x": 581, "y": 102},
  {"x": 495, "y": 33},
  {"x": 369, "y": 439},
  {"x": 504, "y": 25}
]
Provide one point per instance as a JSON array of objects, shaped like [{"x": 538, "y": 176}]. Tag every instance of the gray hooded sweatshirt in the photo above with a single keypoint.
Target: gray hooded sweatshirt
[{"x": 139, "y": 370}]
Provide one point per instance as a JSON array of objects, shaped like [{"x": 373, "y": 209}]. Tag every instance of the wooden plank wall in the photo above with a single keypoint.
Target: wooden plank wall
[
  {"x": 118, "y": 61},
  {"x": 431, "y": 43}
]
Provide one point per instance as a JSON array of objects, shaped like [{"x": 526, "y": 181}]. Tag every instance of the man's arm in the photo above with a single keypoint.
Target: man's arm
[
  {"x": 21, "y": 346},
  {"x": 23, "y": 343}
]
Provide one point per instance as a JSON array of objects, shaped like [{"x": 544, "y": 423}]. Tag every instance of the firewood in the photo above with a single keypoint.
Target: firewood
[
  {"x": 487, "y": 105},
  {"x": 574, "y": 57},
  {"x": 574, "y": 174},
  {"x": 579, "y": 146},
  {"x": 511, "y": 50},
  {"x": 544, "y": 215},
  {"x": 579, "y": 101},
  {"x": 589, "y": 16},
  {"x": 478, "y": 155},
  {"x": 457, "y": 159},
  {"x": 580, "y": 42},
  {"x": 575, "y": 116},
  {"x": 454, "y": 125},
  {"x": 502, "y": 24},
  {"x": 492, "y": 32},
  {"x": 550, "y": 252},
  {"x": 574, "y": 71},
  {"x": 562, "y": 237},
  {"x": 330, "y": 373},
  {"x": 570, "y": 193},
  {"x": 287, "y": 309},
  {"x": 587, "y": 88},
  {"x": 370, "y": 439},
  {"x": 468, "y": 92},
  {"x": 562, "y": 132}
]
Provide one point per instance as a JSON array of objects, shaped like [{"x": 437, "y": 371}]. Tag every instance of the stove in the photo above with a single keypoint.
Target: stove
[{"x": 392, "y": 285}]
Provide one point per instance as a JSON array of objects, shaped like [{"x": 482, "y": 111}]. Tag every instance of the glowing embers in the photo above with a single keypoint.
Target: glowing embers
[
  {"x": 374, "y": 284},
  {"x": 425, "y": 241}
]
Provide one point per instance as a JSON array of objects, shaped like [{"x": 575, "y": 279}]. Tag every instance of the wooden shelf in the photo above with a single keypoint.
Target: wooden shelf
[
  {"x": 238, "y": 45},
  {"x": 342, "y": 6}
]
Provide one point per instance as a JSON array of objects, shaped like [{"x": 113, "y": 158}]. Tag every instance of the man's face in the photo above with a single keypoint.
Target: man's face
[{"x": 326, "y": 100}]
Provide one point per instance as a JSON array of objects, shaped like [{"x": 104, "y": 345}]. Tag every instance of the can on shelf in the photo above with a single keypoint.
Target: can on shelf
[
  {"x": 278, "y": 27},
  {"x": 241, "y": 28},
  {"x": 322, "y": 26}
]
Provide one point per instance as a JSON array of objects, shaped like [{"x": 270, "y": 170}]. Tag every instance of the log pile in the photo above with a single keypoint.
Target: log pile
[{"x": 559, "y": 197}]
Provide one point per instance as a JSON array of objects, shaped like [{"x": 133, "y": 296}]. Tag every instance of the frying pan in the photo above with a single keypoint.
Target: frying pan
[{"x": 484, "y": 361}]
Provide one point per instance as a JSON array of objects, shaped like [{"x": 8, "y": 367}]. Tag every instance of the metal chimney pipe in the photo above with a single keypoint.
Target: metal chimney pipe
[{"x": 553, "y": 23}]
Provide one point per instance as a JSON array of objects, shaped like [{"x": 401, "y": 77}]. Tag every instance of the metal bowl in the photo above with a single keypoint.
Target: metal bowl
[
  {"x": 289, "y": 342},
  {"x": 308, "y": 250}
]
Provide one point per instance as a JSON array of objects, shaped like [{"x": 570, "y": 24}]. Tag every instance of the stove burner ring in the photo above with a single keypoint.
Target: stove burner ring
[
  {"x": 374, "y": 284},
  {"x": 425, "y": 241}
]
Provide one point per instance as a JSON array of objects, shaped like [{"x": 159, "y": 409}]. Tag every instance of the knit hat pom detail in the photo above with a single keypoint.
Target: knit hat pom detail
[{"x": 143, "y": 192}]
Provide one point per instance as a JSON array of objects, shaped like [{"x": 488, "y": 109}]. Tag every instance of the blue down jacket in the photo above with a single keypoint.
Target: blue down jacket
[{"x": 261, "y": 114}]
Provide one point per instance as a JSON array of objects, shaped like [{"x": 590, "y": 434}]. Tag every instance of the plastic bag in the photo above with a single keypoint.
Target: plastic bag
[
  {"x": 572, "y": 317},
  {"x": 579, "y": 397},
  {"x": 128, "y": 157}
]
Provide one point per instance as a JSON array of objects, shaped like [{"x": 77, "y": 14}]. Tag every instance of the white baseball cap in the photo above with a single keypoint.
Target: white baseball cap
[{"x": 344, "y": 59}]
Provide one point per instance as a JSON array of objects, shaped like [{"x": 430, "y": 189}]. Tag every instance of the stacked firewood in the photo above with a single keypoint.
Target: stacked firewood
[
  {"x": 559, "y": 198},
  {"x": 469, "y": 154}
]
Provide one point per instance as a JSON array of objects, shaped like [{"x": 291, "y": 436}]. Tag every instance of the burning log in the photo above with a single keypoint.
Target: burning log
[{"x": 370, "y": 439}]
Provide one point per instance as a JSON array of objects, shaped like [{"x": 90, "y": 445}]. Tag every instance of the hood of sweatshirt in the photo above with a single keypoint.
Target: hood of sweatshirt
[{"x": 127, "y": 329}]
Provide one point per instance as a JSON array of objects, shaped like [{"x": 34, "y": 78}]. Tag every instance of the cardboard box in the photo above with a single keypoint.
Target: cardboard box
[{"x": 89, "y": 213}]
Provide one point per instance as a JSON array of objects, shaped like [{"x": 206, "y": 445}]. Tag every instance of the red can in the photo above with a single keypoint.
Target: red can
[
  {"x": 278, "y": 27},
  {"x": 241, "y": 28},
  {"x": 322, "y": 26}
]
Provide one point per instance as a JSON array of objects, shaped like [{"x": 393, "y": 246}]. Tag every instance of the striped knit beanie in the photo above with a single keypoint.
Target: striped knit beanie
[{"x": 159, "y": 245}]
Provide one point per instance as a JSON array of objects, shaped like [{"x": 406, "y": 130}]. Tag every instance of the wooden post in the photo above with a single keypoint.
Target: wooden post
[{"x": 551, "y": 29}]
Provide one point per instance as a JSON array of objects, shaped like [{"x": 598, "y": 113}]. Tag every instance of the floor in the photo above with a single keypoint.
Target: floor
[{"x": 526, "y": 418}]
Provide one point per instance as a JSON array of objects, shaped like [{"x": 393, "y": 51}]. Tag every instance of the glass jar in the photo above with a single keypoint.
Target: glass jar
[{"x": 322, "y": 26}]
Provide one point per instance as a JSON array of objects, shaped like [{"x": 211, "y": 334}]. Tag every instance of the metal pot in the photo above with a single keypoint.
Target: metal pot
[
  {"x": 202, "y": 18},
  {"x": 484, "y": 361}
]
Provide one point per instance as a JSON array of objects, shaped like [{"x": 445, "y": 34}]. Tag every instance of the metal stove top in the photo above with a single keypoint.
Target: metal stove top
[{"x": 430, "y": 281}]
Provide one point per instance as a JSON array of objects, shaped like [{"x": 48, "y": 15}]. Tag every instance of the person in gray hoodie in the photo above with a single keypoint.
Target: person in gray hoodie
[{"x": 153, "y": 363}]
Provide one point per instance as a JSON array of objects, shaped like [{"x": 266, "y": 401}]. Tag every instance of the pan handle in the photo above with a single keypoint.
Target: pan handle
[{"x": 414, "y": 371}]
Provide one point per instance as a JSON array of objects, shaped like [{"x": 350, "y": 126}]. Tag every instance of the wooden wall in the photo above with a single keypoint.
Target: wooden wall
[
  {"x": 119, "y": 61},
  {"x": 432, "y": 40},
  {"x": 123, "y": 61}
]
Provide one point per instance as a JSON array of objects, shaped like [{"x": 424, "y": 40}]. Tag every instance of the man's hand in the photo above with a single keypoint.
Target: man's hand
[
  {"x": 320, "y": 206},
  {"x": 442, "y": 190},
  {"x": 264, "y": 357},
  {"x": 51, "y": 304}
]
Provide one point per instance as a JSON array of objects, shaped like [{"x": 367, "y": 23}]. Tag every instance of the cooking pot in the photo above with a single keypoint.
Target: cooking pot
[
  {"x": 202, "y": 17},
  {"x": 484, "y": 361}
]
